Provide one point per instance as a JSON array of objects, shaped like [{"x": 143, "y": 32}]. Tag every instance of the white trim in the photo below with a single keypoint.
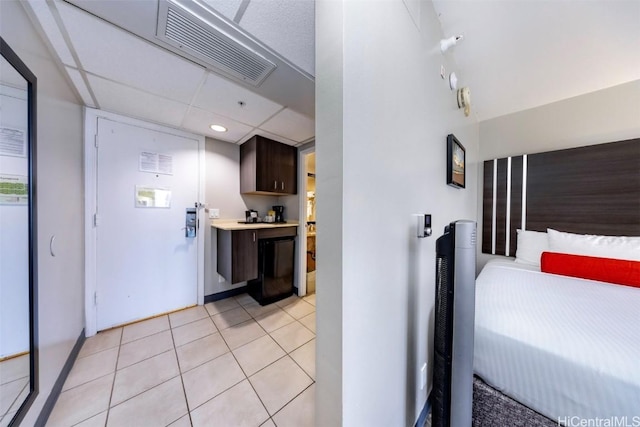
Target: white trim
[
  {"x": 203, "y": 222},
  {"x": 302, "y": 228},
  {"x": 495, "y": 201},
  {"x": 91, "y": 116},
  {"x": 90, "y": 177},
  {"x": 508, "y": 219},
  {"x": 524, "y": 193}
]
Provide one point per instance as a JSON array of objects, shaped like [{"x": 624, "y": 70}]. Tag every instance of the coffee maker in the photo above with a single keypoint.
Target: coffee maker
[{"x": 279, "y": 210}]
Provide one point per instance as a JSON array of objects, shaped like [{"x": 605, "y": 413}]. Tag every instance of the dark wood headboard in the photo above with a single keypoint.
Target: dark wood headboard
[{"x": 586, "y": 190}]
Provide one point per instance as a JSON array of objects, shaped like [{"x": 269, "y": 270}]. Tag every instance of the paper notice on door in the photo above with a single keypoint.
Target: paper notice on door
[
  {"x": 14, "y": 189},
  {"x": 13, "y": 142},
  {"x": 155, "y": 163},
  {"x": 152, "y": 197},
  {"x": 165, "y": 164}
]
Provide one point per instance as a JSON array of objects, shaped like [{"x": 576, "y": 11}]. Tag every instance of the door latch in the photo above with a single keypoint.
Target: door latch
[{"x": 191, "y": 222}]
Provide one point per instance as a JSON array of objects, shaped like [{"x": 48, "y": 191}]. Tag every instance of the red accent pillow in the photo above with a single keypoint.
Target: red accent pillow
[{"x": 620, "y": 271}]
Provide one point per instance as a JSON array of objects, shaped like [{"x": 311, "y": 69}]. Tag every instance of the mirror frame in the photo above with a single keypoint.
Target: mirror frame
[{"x": 12, "y": 58}]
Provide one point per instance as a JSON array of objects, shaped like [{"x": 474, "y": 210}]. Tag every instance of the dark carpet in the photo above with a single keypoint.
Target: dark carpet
[{"x": 493, "y": 409}]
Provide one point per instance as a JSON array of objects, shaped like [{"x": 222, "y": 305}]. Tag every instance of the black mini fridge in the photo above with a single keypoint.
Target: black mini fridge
[{"x": 275, "y": 270}]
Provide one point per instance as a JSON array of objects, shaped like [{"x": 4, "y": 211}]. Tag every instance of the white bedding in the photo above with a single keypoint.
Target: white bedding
[{"x": 562, "y": 346}]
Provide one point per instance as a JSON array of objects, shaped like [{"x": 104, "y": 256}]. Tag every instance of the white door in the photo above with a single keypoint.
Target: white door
[{"x": 145, "y": 263}]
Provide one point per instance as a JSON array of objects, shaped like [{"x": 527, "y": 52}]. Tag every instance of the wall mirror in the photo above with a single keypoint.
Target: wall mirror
[{"x": 18, "y": 278}]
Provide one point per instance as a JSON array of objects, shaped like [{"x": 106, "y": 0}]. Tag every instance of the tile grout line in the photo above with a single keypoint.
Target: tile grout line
[
  {"x": 146, "y": 336},
  {"x": 246, "y": 377},
  {"x": 13, "y": 402},
  {"x": 219, "y": 331},
  {"x": 184, "y": 390},
  {"x": 138, "y": 394},
  {"x": 102, "y": 376},
  {"x": 146, "y": 358},
  {"x": 142, "y": 392},
  {"x": 113, "y": 383},
  {"x": 294, "y": 398},
  {"x": 313, "y": 381},
  {"x": 215, "y": 358},
  {"x": 230, "y": 326}
]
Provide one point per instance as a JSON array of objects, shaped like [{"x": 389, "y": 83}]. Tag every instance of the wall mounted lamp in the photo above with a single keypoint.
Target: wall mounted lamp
[{"x": 446, "y": 44}]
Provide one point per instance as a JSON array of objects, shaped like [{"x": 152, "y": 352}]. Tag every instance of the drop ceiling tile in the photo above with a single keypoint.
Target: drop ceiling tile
[
  {"x": 198, "y": 121},
  {"x": 291, "y": 125},
  {"x": 220, "y": 96},
  {"x": 267, "y": 20},
  {"x": 51, "y": 29},
  {"x": 228, "y": 8},
  {"x": 135, "y": 103},
  {"x": 80, "y": 86},
  {"x": 110, "y": 52}
]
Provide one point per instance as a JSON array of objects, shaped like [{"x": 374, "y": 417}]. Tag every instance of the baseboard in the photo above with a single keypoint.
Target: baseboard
[
  {"x": 424, "y": 413},
  {"x": 225, "y": 294},
  {"x": 57, "y": 387}
]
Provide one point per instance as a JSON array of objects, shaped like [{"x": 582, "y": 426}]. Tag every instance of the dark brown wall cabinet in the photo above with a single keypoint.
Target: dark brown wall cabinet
[
  {"x": 238, "y": 255},
  {"x": 268, "y": 167}
]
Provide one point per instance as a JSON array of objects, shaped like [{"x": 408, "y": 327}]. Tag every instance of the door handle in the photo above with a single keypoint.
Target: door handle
[
  {"x": 51, "y": 246},
  {"x": 283, "y": 185},
  {"x": 254, "y": 236},
  {"x": 275, "y": 185}
]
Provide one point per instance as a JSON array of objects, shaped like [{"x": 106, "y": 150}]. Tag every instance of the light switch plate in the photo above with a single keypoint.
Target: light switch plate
[{"x": 214, "y": 213}]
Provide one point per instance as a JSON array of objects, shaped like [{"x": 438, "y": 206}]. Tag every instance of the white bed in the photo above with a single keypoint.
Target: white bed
[{"x": 562, "y": 346}]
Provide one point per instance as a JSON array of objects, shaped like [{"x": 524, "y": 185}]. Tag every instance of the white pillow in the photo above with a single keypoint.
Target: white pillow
[
  {"x": 530, "y": 246},
  {"x": 619, "y": 247}
]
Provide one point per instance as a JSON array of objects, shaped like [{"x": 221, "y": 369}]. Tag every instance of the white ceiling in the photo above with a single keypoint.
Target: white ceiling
[
  {"x": 521, "y": 54},
  {"x": 517, "y": 54},
  {"x": 115, "y": 70}
]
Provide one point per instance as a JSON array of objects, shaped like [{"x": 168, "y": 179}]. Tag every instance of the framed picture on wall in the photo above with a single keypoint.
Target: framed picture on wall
[{"x": 455, "y": 162}]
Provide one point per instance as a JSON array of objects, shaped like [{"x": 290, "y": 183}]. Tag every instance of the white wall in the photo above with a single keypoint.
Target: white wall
[
  {"x": 606, "y": 115},
  {"x": 60, "y": 202},
  {"x": 383, "y": 114}
]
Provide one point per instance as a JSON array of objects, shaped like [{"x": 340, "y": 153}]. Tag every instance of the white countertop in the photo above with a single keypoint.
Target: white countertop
[{"x": 233, "y": 224}]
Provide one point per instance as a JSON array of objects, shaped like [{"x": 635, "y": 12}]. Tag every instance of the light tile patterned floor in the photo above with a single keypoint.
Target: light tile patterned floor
[
  {"x": 14, "y": 386},
  {"x": 229, "y": 363}
]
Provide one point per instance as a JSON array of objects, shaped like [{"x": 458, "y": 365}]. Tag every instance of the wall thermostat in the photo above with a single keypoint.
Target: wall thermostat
[{"x": 424, "y": 225}]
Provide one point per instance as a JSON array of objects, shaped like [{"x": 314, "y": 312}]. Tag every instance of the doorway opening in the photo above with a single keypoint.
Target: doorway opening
[
  {"x": 310, "y": 218},
  {"x": 307, "y": 242}
]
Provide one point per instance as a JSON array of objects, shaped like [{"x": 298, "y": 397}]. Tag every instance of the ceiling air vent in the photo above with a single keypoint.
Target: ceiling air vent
[{"x": 216, "y": 49}]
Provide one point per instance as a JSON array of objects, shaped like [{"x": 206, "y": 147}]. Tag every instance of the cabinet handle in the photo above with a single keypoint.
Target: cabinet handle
[
  {"x": 275, "y": 185},
  {"x": 254, "y": 236},
  {"x": 283, "y": 185}
]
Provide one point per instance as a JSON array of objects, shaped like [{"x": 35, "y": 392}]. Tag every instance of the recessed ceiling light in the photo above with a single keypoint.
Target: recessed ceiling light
[{"x": 218, "y": 128}]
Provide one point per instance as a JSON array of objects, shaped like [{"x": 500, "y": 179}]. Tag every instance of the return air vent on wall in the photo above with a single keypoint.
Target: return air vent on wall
[{"x": 213, "y": 47}]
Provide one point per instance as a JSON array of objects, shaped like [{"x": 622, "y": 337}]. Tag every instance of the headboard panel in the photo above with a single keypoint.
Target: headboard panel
[{"x": 587, "y": 190}]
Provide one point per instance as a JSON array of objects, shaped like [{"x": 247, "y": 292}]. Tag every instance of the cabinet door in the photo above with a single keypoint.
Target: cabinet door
[
  {"x": 287, "y": 169},
  {"x": 244, "y": 256},
  {"x": 248, "y": 166},
  {"x": 268, "y": 176},
  {"x": 267, "y": 166}
]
